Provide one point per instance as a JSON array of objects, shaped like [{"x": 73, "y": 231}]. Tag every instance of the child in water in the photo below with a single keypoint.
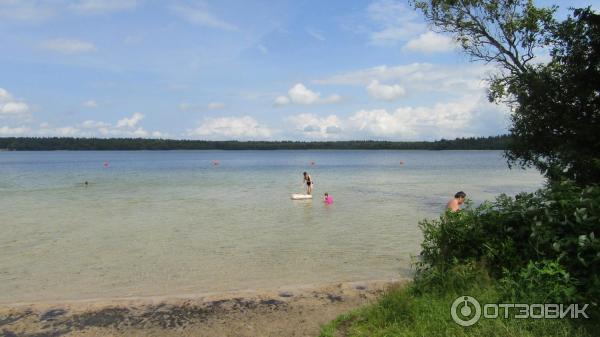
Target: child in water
[{"x": 328, "y": 199}]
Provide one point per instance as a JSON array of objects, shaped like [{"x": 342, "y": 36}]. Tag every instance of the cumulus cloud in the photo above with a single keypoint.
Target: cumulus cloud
[
  {"x": 385, "y": 92},
  {"x": 300, "y": 94},
  {"x": 102, "y": 6},
  {"x": 313, "y": 126},
  {"x": 125, "y": 127},
  {"x": 6, "y": 131},
  {"x": 462, "y": 117},
  {"x": 10, "y": 106},
  {"x": 430, "y": 42},
  {"x": 199, "y": 14},
  {"x": 281, "y": 100},
  {"x": 419, "y": 77},
  {"x": 68, "y": 46},
  {"x": 131, "y": 121},
  {"x": 231, "y": 128}
]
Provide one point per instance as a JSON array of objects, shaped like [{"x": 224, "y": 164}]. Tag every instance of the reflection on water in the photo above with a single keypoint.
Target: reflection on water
[{"x": 154, "y": 223}]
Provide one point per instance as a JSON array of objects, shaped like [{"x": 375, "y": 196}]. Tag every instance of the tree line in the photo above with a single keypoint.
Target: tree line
[{"x": 79, "y": 144}]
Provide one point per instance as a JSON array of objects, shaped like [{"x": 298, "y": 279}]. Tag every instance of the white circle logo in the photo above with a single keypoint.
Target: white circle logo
[{"x": 470, "y": 307}]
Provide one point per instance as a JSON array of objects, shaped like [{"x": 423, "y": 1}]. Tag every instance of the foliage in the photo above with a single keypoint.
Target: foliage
[
  {"x": 557, "y": 117},
  {"x": 506, "y": 32},
  {"x": 556, "y": 106},
  {"x": 540, "y": 282},
  {"x": 51, "y": 144},
  {"x": 542, "y": 236}
]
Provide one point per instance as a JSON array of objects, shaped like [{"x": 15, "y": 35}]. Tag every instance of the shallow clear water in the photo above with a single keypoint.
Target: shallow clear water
[{"x": 170, "y": 222}]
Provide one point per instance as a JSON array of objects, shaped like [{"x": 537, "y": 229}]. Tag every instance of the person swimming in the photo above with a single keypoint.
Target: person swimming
[
  {"x": 328, "y": 199},
  {"x": 454, "y": 204},
  {"x": 309, "y": 183}
]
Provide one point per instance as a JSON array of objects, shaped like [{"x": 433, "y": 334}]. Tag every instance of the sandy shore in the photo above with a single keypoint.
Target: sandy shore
[{"x": 286, "y": 311}]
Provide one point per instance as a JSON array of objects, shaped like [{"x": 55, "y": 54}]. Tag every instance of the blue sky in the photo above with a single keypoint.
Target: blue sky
[{"x": 300, "y": 70}]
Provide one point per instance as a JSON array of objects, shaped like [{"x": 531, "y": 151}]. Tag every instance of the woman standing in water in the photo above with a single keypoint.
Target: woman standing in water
[{"x": 309, "y": 183}]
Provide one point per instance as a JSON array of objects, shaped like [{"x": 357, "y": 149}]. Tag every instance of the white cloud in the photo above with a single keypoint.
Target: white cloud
[
  {"x": 393, "y": 21},
  {"x": 200, "y": 15},
  {"x": 126, "y": 127},
  {"x": 11, "y": 132},
  {"x": 231, "y": 128},
  {"x": 130, "y": 122},
  {"x": 9, "y": 106},
  {"x": 91, "y": 124},
  {"x": 215, "y": 105},
  {"x": 419, "y": 77},
  {"x": 300, "y": 94},
  {"x": 385, "y": 92},
  {"x": 467, "y": 116},
  {"x": 315, "y": 127},
  {"x": 90, "y": 104},
  {"x": 430, "y": 42},
  {"x": 281, "y": 100},
  {"x": 68, "y": 46},
  {"x": 102, "y": 6}
]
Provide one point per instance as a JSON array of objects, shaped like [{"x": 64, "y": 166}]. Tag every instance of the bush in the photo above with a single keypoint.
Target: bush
[{"x": 548, "y": 238}]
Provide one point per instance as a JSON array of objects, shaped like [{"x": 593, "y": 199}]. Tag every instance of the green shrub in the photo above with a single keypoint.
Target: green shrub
[{"x": 516, "y": 237}]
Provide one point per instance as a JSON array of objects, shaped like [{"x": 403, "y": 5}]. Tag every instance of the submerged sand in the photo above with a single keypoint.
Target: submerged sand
[{"x": 285, "y": 311}]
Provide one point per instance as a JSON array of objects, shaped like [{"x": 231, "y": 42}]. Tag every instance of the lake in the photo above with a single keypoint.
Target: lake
[{"x": 173, "y": 222}]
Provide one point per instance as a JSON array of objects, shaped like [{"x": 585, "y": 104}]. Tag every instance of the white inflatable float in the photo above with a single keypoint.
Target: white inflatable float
[{"x": 301, "y": 196}]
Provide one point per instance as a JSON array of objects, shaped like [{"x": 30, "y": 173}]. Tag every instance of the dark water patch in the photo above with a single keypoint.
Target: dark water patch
[
  {"x": 285, "y": 294},
  {"x": 58, "y": 322},
  {"x": 51, "y": 315},
  {"x": 109, "y": 317},
  {"x": 4, "y": 320},
  {"x": 334, "y": 298}
]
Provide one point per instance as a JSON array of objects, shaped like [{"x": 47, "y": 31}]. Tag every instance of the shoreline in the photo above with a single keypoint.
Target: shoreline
[{"x": 296, "y": 310}]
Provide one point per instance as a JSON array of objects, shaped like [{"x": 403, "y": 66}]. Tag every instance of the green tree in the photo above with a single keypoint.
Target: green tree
[{"x": 555, "y": 106}]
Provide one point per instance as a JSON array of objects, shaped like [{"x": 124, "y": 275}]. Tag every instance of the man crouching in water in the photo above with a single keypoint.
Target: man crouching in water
[{"x": 454, "y": 204}]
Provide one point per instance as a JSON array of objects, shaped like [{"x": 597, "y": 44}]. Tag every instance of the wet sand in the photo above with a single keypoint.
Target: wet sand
[{"x": 285, "y": 311}]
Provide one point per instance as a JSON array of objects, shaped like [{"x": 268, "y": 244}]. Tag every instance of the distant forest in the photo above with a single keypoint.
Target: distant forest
[{"x": 81, "y": 144}]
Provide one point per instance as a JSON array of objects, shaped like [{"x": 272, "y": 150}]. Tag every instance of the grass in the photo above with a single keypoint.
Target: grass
[{"x": 417, "y": 310}]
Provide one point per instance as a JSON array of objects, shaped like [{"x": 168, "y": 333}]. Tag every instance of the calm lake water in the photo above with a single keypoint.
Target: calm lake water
[{"x": 171, "y": 222}]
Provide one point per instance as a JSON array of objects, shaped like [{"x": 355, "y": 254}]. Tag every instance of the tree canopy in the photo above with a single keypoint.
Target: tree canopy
[
  {"x": 64, "y": 143},
  {"x": 555, "y": 105}
]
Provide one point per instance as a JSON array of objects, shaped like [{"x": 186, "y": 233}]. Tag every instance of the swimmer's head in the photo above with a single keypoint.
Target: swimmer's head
[
  {"x": 304, "y": 174},
  {"x": 326, "y": 194},
  {"x": 460, "y": 196}
]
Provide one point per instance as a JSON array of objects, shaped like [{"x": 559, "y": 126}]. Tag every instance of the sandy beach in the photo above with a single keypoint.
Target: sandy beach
[{"x": 285, "y": 311}]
